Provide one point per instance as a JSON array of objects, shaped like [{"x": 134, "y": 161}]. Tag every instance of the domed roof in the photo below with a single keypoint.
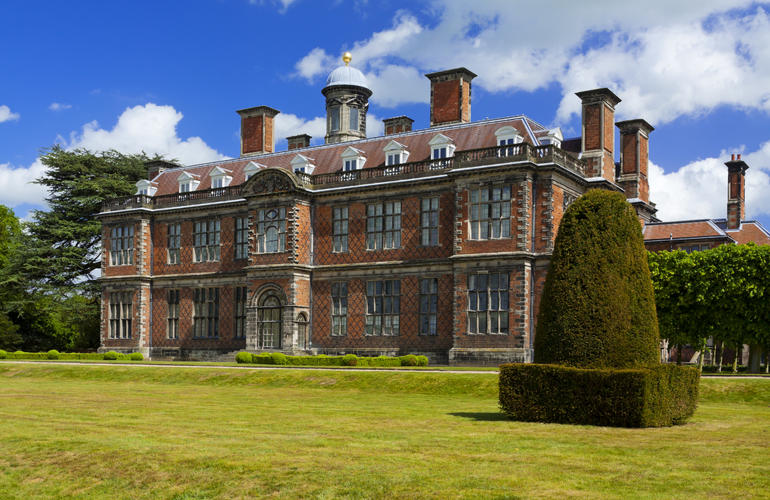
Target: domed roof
[{"x": 347, "y": 75}]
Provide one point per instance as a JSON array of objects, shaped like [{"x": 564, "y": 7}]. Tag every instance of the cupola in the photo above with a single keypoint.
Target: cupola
[{"x": 347, "y": 100}]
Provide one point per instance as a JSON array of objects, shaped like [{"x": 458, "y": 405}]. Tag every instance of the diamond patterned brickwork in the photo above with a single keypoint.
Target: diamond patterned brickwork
[
  {"x": 408, "y": 338},
  {"x": 410, "y": 247}
]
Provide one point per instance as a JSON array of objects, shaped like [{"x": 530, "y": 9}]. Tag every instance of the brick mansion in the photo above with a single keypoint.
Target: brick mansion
[{"x": 433, "y": 241}]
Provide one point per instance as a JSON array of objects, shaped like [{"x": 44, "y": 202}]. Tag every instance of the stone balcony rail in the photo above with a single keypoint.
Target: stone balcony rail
[{"x": 511, "y": 153}]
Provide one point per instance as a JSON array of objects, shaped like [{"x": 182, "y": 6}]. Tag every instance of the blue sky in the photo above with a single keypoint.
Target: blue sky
[{"x": 167, "y": 77}]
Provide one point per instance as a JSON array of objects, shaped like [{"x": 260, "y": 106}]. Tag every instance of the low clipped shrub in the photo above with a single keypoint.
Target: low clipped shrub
[
  {"x": 111, "y": 356},
  {"x": 135, "y": 356},
  {"x": 3, "y": 354},
  {"x": 53, "y": 354},
  {"x": 349, "y": 360},
  {"x": 264, "y": 358},
  {"x": 243, "y": 357},
  {"x": 422, "y": 360},
  {"x": 409, "y": 360},
  {"x": 655, "y": 396},
  {"x": 279, "y": 358}
]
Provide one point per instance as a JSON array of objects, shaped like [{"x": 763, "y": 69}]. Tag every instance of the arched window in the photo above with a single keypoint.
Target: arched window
[
  {"x": 269, "y": 326},
  {"x": 303, "y": 342}
]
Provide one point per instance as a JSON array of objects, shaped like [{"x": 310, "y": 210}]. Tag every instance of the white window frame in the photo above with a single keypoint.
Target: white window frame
[
  {"x": 302, "y": 164},
  {"x": 553, "y": 137},
  {"x": 146, "y": 187},
  {"x": 220, "y": 178},
  {"x": 395, "y": 151},
  {"x": 441, "y": 149},
  {"x": 187, "y": 182},
  {"x": 352, "y": 159},
  {"x": 250, "y": 169}
]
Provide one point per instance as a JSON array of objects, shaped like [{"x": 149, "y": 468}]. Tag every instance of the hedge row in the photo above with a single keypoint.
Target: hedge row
[
  {"x": 277, "y": 358},
  {"x": 657, "y": 396},
  {"x": 54, "y": 354}
]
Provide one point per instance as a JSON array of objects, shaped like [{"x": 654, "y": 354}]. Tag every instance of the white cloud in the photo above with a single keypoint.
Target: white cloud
[
  {"x": 16, "y": 186},
  {"x": 664, "y": 59},
  {"x": 149, "y": 128},
  {"x": 58, "y": 106},
  {"x": 7, "y": 115},
  {"x": 284, "y": 3},
  {"x": 287, "y": 125},
  {"x": 700, "y": 187}
]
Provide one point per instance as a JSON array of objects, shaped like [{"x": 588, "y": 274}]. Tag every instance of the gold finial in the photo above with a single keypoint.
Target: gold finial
[{"x": 347, "y": 57}]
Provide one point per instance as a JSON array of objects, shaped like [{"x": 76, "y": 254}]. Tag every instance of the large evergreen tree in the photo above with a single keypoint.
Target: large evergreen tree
[
  {"x": 65, "y": 246},
  {"x": 598, "y": 308}
]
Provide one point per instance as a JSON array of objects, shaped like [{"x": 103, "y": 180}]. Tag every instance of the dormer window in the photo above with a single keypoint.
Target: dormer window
[
  {"x": 302, "y": 164},
  {"x": 251, "y": 169},
  {"x": 220, "y": 178},
  {"x": 352, "y": 159},
  {"x": 146, "y": 187},
  {"x": 395, "y": 153},
  {"x": 187, "y": 182},
  {"x": 554, "y": 138},
  {"x": 508, "y": 135},
  {"x": 442, "y": 147}
]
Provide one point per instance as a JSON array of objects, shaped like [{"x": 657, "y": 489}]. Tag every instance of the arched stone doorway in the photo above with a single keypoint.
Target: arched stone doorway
[{"x": 269, "y": 322}]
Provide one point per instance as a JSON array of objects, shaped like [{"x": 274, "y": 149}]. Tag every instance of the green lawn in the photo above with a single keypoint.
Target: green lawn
[{"x": 141, "y": 432}]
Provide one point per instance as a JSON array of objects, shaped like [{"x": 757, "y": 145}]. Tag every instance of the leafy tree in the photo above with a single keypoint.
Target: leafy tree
[
  {"x": 65, "y": 251},
  {"x": 720, "y": 293},
  {"x": 10, "y": 240},
  {"x": 598, "y": 309}
]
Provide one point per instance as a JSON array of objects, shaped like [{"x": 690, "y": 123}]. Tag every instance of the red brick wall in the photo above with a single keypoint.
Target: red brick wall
[
  {"x": 466, "y": 100},
  {"x": 408, "y": 338},
  {"x": 513, "y": 338},
  {"x": 226, "y": 338},
  {"x": 628, "y": 145},
  {"x": 592, "y": 126},
  {"x": 226, "y": 262},
  {"x": 411, "y": 247},
  {"x": 446, "y": 102},
  {"x": 251, "y": 134}
]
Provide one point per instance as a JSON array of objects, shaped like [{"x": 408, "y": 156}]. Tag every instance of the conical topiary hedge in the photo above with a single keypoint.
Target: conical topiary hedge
[
  {"x": 596, "y": 345},
  {"x": 598, "y": 307}
]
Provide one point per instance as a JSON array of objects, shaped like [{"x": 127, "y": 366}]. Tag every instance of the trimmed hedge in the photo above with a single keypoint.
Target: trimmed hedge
[
  {"x": 277, "y": 358},
  {"x": 598, "y": 307},
  {"x": 243, "y": 357},
  {"x": 654, "y": 396},
  {"x": 65, "y": 356}
]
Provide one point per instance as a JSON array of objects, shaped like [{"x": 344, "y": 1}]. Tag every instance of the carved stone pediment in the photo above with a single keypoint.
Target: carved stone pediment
[{"x": 270, "y": 181}]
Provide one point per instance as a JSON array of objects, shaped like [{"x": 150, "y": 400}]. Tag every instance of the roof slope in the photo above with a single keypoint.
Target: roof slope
[{"x": 327, "y": 158}]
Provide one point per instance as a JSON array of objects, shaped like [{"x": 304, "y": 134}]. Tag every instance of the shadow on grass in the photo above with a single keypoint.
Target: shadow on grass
[{"x": 481, "y": 416}]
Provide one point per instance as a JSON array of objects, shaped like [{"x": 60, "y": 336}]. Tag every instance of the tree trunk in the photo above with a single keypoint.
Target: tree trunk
[
  {"x": 721, "y": 356},
  {"x": 738, "y": 352},
  {"x": 703, "y": 348},
  {"x": 755, "y": 358},
  {"x": 767, "y": 360}
]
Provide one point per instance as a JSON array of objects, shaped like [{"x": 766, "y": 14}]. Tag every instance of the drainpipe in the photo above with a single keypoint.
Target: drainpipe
[{"x": 532, "y": 271}]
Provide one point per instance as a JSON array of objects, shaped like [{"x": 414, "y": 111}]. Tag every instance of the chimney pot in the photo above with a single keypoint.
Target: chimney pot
[
  {"x": 739, "y": 157},
  {"x": 397, "y": 125},
  {"x": 257, "y": 130},
  {"x": 450, "y": 96},
  {"x": 732, "y": 157}
]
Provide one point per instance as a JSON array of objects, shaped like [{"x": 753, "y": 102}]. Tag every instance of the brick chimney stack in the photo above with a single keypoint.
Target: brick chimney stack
[
  {"x": 736, "y": 191},
  {"x": 397, "y": 125},
  {"x": 298, "y": 141},
  {"x": 257, "y": 130},
  {"x": 634, "y": 156},
  {"x": 598, "y": 134},
  {"x": 450, "y": 96}
]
